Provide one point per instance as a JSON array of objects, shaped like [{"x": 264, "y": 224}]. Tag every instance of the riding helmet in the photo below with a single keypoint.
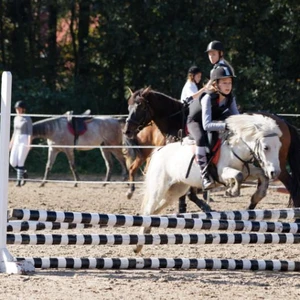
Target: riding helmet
[
  {"x": 215, "y": 45},
  {"x": 194, "y": 70},
  {"x": 221, "y": 72},
  {"x": 20, "y": 104}
]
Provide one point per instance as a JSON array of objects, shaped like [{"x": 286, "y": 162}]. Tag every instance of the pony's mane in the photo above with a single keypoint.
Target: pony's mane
[{"x": 253, "y": 126}]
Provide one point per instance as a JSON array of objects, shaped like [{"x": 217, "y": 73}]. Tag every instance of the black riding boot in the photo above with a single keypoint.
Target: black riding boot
[{"x": 207, "y": 183}]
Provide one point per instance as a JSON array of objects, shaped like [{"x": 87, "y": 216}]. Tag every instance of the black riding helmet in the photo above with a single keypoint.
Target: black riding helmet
[
  {"x": 221, "y": 72},
  {"x": 194, "y": 70},
  {"x": 20, "y": 104},
  {"x": 215, "y": 45}
]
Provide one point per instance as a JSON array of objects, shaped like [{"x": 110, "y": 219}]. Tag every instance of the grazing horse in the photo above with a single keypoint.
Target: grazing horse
[
  {"x": 146, "y": 105},
  {"x": 100, "y": 131},
  {"x": 172, "y": 169}
]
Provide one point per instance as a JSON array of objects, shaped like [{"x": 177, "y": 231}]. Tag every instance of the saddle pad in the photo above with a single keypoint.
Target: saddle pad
[{"x": 80, "y": 131}]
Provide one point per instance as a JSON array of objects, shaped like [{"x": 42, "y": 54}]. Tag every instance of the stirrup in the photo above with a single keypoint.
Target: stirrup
[{"x": 207, "y": 183}]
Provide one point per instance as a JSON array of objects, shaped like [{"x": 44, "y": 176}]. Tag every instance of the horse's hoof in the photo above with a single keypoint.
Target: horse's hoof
[
  {"x": 137, "y": 249},
  {"x": 129, "y": 195},
  {"x": 42, "y": 184}
]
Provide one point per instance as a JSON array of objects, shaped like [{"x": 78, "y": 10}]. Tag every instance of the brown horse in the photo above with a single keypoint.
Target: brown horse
[
  {"x": 148, "y": 136},
  {"x": 169, "y": 115}
]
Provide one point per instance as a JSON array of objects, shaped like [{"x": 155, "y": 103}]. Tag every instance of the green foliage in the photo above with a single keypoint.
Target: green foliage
[{"x": 141, "y": 43}]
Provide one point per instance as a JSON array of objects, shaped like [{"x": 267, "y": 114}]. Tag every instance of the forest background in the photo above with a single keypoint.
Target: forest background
[{"x": 83, "y": 54}]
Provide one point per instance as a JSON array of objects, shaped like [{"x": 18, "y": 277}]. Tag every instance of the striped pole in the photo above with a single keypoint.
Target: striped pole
[
  {"x": 95, "y": 218},
  {"x": 151, "y": 221},
  {"x": 18, "y": 226},
  {"x": 152, "y": 239},
  {"x": 160, "y": 263},
  {"x": 258, "y": 214}
]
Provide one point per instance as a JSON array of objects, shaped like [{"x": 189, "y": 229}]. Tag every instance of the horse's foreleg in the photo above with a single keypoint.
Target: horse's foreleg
[
  {"x": 52, "y": 154},
  {"x": 107, "y": 156},
  {"x": 262, "y": 186},
  {"x": 192, "y": 194},
  {"x": 71, "y": 159},
  {"x": 132, "y": 171},
  {"x": 233, "y": 179}
]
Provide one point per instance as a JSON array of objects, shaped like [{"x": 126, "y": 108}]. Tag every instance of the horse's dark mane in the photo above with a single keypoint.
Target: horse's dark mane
[{"x": 45, "y": 127}]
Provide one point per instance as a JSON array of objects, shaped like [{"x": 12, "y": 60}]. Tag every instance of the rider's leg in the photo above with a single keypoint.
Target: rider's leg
[
  {"x": 197, "y": 132},
  {"x": 202, "y": 162}
]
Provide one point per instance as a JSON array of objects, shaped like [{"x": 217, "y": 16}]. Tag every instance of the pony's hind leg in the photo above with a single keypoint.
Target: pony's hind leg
[
  {"x": 52, "y": 154},
  {"x": 119, "y": 155}
]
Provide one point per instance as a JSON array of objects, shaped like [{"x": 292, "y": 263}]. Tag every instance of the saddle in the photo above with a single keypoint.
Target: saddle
[
  {"x": 213, "y": 147},
  {"x": 77, "y": 125}
]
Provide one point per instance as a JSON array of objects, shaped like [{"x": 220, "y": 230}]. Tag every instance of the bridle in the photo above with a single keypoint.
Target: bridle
[
  {"x": 148, "y": 115},
  {"x": 255, "y": 156},
  {"x": 142, "y": 122}
]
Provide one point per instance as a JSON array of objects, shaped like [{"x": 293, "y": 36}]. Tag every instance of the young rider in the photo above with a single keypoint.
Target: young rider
[
  {"x": 191, "y": 84},
  {"x": 215, "y": 51},
  {"x": 205, "y": 115}
]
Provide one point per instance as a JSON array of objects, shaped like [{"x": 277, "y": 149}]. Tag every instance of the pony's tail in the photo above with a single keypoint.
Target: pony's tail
[
  {"x": 129, "y": 152},
  {"x": 294, "y": 164}
]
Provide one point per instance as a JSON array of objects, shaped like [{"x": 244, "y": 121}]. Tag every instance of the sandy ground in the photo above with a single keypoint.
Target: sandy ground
[{"x": 142, "y": 284}]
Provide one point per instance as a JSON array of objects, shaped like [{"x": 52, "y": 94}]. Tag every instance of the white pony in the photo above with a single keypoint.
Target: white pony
[{"x": 251, "y": 138}]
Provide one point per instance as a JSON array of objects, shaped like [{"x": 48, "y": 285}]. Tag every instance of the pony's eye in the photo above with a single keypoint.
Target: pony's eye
[{"x": 266, "y": 148}]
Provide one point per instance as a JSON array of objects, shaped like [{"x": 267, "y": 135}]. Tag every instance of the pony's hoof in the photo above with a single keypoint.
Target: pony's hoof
[
  {"x": 137, "y": 249},
  {"x": 129, "y": 195}
]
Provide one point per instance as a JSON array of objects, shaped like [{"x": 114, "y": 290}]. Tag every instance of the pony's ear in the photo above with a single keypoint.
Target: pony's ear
[
  {"x": 146, "y": 90},
  {"x": 130, "y": 91}
]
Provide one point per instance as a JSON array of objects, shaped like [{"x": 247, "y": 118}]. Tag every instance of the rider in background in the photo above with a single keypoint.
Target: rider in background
[
  {"x": 191, "y": 86},
  {"x": 215, "y": 51},
  {"x": 20, "y": 142},
  {"x": 205, "y": 114}
]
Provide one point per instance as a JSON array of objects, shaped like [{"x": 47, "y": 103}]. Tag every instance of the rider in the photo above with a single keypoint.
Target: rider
[
  {"x": 205, "y": 115},
  {"x": 191, "y": 84},
  {"x": 215, "y": 51},
  {"x": 20, "y": 142}
]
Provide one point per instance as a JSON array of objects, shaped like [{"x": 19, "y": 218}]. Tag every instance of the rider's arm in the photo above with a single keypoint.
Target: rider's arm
[{"x": 207, "y": 122}]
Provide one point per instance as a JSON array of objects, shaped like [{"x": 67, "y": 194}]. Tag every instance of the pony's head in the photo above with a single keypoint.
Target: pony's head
[
  {"x": 140, "y": 113},
  {"x": 261, "y": 135}
]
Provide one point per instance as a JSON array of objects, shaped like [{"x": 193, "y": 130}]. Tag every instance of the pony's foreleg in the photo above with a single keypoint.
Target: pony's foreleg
[
  {"x": 262, "y": 186},
  {"x": 52, "y": 154},
  {"x": 233, "y": 179},
  {"x": 107, "y": 156},
  {"x": 71, "y": 160},
  {"x": 132, "y": 171}
]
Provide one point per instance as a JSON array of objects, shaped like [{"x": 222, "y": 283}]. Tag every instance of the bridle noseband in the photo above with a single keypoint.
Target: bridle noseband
[{"x": 142, "y": 123}]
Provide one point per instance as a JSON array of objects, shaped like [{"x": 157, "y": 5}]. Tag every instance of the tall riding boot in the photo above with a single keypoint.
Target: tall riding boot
[
  {"x": 24, "y": 175},
  {"x": 202, "y": 162},
  {"x": 19, "y": 176}
]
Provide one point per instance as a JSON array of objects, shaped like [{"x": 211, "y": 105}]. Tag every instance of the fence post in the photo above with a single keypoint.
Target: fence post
[{"x": 7, "y": 262}]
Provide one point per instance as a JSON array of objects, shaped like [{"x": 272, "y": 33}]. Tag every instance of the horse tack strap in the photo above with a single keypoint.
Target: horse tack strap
[{"x": 271, "y": 134}]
